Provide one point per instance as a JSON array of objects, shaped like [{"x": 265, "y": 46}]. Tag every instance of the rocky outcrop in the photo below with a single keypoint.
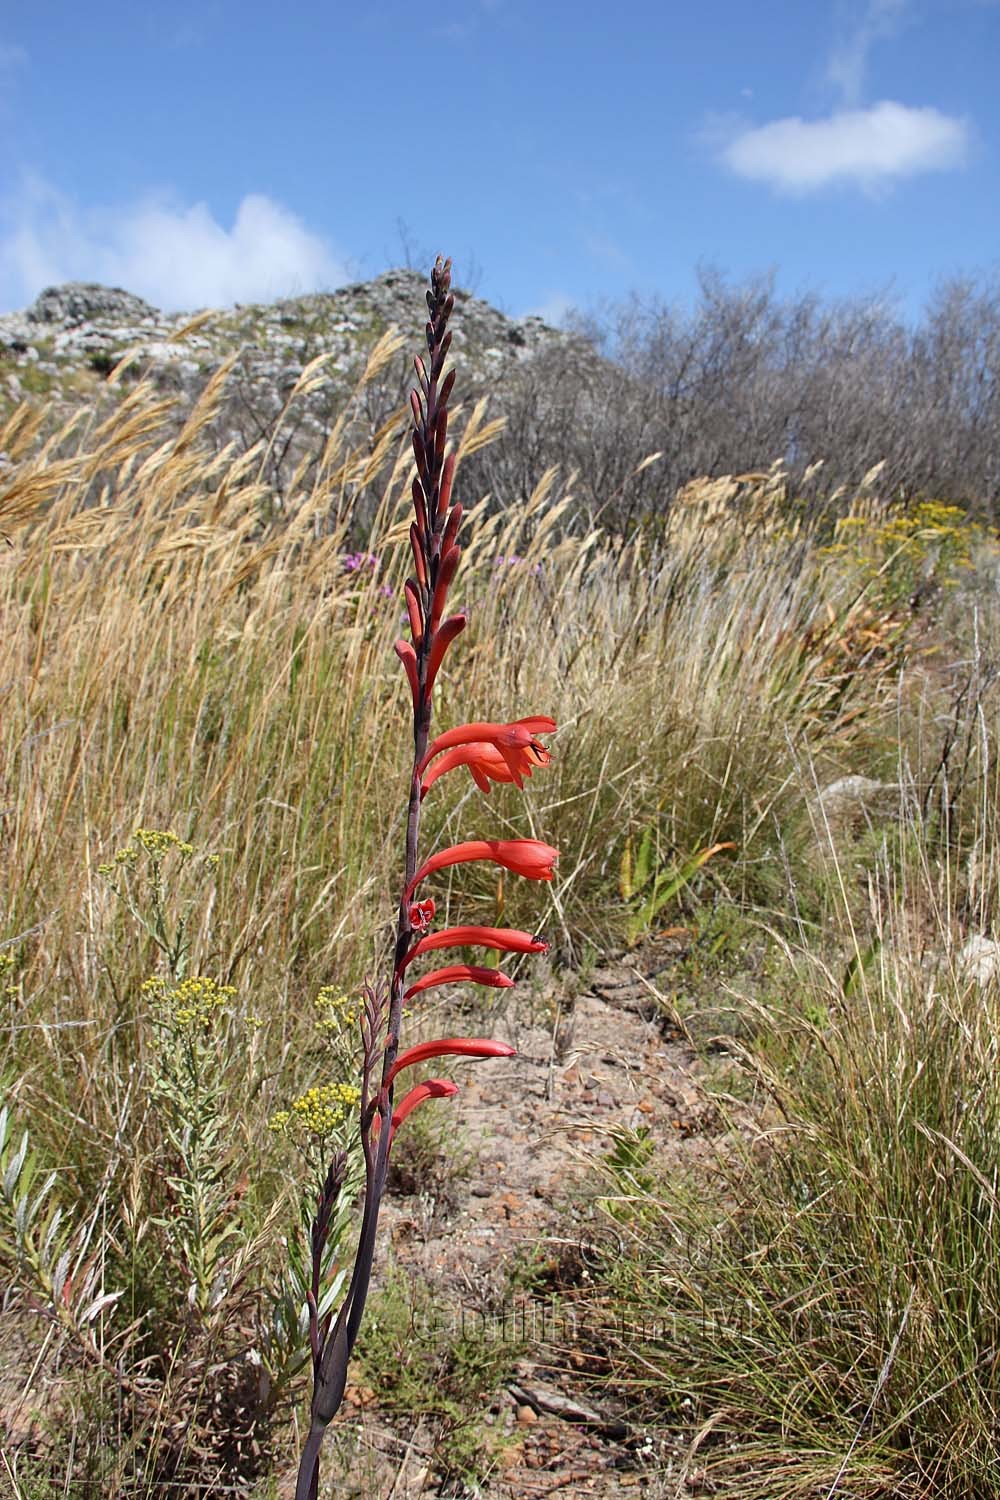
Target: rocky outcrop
[
  {"x": 63, "y": 347},
  {"x": 72, "y": 332}
]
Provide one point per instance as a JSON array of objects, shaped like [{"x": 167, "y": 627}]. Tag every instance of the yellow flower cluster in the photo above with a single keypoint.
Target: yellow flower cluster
[
  {"x": 7, "y": 962},
  {"x": 930, "y": 541},
  {"x": 157, "y": 843},
  {"x": 124, "y": 859},
  {"x": 319, "y": 1110},
  {"x": 191, "y": 1004},
  {"x": 336, "y": 1010}
]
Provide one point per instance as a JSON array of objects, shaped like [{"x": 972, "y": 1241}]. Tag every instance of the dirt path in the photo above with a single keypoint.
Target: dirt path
[{"x": 535, "y": 1124}]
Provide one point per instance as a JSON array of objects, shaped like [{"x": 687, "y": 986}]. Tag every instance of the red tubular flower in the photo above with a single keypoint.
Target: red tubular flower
[
  {"x": 516, "y": 742},
  {"x": 504, "y": 939},
  {"x": 443, "y": 637},
  {"x": 413, "y": 610},
  {"x": 447, "y": 480},
  {"x": 434, "y": 1088},
  {"x": 528, "y": 857},
  {"x": 485, "y": 762},
  {"x": 451, "y": 528},
  {"x": 408, "y": 657},
  {"x": 459, "y": 974},
  {"x": 446, "y": 572},
  {"x": 418, "y": 555},
  {"x": 419, "y": 505},
  {"x": 451, "y": 1046}
]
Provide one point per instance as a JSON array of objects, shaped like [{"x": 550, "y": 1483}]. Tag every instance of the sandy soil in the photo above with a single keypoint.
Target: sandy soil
[{"x": 536, "y": 1125}]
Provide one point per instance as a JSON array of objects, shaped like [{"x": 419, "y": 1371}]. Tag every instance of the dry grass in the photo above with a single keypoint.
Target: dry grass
[{"x": 180, "y": 653}]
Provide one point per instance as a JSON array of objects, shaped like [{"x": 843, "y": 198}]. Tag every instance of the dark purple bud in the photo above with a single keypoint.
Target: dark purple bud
[
  {"x": 449, "y": 381},
  {"x": 440, "y": 357}
]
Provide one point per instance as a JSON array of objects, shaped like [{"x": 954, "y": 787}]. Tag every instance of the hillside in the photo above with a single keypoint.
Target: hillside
[
  {"x": 71, "y": 336},
  {"x": 65, "y": 345}
]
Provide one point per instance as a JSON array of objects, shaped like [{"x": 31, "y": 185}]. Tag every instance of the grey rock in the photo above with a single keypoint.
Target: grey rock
[
  {"x": 85, "y": 302},
  {"x": 979, "y": 960},
  {"x": 851, "y": 796}
]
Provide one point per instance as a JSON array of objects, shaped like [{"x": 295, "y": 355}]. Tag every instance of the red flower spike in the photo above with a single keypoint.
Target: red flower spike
[
  {"x": 451, "y": 1046},
  {"x": 460, "y": 974},
  {"x": 418, "y": 555},
  {"x": 434, "y": 1088},
  {"x": 504, "y": 939},
  {"x": 414, "y": 611},
  {"x": 443, "y": 637},
  {"x": 408, "y": 657},
  {"x": 447, "y": 479}
]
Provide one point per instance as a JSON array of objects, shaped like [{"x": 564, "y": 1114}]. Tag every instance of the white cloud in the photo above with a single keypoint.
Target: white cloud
[
  {"x": 866, "y": 147},
  {"x": 177, "y": 256}
]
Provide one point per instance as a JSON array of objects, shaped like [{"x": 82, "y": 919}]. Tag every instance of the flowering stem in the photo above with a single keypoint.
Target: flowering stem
[{"x": 430, "y": 429}]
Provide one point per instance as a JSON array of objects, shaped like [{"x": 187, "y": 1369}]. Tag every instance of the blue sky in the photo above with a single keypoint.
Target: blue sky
[{"x": 562, "y": 153}]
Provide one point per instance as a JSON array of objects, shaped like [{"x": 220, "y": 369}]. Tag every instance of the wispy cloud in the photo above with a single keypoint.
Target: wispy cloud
[
  {"x": 552, "y": 309},
  {"x": 177, "y": 256},
  {"x": 868, "y": 147},
  {"x": 848, "y": 62},
  {"x": 603, "y": 248}
]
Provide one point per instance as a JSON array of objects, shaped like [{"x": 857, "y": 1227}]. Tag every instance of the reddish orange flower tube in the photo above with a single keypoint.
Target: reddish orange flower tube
[
  {"x": 485, "y": 764},
  {"x": 504, "y": 939},
  {"x": 528, "y": 857},
  {"x": 413, "y": 610},
  {"x": 459, "y": 974},
  {"x": 443, "y": 637},
  {"x": 516, "y": 742},
  {"x": 418, "y": 555},
  {"x": 451, "y": 1046},
  {"x": 408, "y": 657},
  {"x": 446, "y": 572},
  {"x": 434, "y": 1088}
]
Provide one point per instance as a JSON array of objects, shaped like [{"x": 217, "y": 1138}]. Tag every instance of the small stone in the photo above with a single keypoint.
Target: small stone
[
  {"x": 979, "y": 960},
  {"x": 526, "y": 1415}
]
